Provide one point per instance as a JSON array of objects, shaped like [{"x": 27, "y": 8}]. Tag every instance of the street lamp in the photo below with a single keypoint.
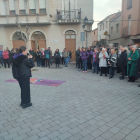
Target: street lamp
[{"x": 85, "y": 28}]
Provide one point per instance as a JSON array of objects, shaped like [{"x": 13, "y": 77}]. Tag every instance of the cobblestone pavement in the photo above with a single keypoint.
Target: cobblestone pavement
[{"x": 85, "y": 107}]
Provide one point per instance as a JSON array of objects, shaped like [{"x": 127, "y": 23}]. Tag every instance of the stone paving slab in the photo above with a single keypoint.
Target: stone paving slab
[{"x": 86, "y": 107}]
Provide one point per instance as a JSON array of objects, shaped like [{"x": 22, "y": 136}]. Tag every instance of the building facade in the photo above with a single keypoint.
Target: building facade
[
  {"x": 55, "y": 24},
  {"x": 103, "y": 27},
  {"x": 94, "y": 36},
  {"x": 115, "y": 30},
  {"x": 130, "y": 28}
]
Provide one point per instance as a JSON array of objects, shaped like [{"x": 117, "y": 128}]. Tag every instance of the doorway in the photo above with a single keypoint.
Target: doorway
[
  {"x": 70, "y": 43},
  {"x": 38, "y": 41}
]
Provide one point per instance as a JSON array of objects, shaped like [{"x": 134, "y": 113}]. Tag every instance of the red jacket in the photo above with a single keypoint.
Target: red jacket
[{"x": 5, "y": 55}]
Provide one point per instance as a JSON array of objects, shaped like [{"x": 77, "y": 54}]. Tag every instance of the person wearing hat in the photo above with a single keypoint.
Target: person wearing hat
[{"x": 132, "y": 64}]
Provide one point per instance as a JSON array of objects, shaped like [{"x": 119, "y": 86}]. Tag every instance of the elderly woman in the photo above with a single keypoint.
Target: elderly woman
[
  {"x": 103, "y": 62},
  {"x": 132, "y": 64}
]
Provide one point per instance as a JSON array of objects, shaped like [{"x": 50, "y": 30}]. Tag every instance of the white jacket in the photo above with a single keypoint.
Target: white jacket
[{"x": 103, "y": 62}]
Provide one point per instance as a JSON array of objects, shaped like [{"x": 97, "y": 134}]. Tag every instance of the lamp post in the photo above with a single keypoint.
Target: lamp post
[{"x": 85, "y": 28}]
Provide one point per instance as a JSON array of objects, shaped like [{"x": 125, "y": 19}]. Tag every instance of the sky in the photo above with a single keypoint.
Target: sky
[{"x": 103, "y": 8}]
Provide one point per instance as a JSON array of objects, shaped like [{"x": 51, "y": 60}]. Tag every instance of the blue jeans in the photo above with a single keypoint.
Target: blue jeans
[
  {"x": 1, "y": 61},
  {"x": 69, "y": 60},
  {"x": 84, "y": 65},
  {"x": 38, "y": 62},
  {"x": 66, "y": 61},
  {"x": 50, "y": 60},
  {"x": 95, "y": 66}
]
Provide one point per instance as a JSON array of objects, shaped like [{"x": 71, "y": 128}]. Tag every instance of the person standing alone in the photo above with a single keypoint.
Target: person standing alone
[{"x": 21, "y": 70}]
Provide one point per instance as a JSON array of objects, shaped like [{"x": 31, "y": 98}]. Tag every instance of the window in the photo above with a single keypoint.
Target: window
[
  {"x": 111, "y": 30},
  {"x": 32, "y": 7},
  {"x": 22, "y": 12},
  {"x": 129, "y": 4},
  {"x": 42, "y": 6},
  {"x": 100, "y": 27},
  {"x": 32, "y": 11},
  {"x": 12, "y": 7},
  {"x": 42, "y": 11},
  {"x": 117, "y": 28},
  {"x": 103, "y": 26},
  {"x": 94, "y": 33},
  {"x": 12, "y": 12}
]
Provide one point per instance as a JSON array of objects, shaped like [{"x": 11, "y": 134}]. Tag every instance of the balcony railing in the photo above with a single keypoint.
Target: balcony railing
[
  {"x": 127, "y": 31},
  {"x": 69, "y": 14}
]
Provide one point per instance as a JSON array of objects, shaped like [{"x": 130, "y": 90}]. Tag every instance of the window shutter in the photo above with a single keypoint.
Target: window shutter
[
  {"x": 72, "y": 4},
  {"x": 12, "y": 4},
  {"x": 32, "y": 4},
  {"x": 21, "y": 4},
  {"x": 2, "y": 8},
  {"x": 42, "y": 4}
]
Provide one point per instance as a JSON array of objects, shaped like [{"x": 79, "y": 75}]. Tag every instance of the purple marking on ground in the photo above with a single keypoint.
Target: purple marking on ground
[{"x": 44, "y": 82}]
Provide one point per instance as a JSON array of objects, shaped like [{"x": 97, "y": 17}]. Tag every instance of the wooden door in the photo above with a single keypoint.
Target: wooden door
[
  {"x": 18, "y": 43},
  {"x": 42, "y": 44},
  {"x": 33, "y": 45},
  {"x": 70, "y": 44}
]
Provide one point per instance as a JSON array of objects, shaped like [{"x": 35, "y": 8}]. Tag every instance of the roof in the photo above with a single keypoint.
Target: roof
[
  {"x": 117, "y": 15},
  {"x": 95, "y": 29},
  {"x": 107, "y": 17}
]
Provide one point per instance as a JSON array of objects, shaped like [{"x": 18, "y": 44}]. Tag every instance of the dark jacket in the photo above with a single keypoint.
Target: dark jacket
[
  {"x": 42, "y": 56},
  {"x": 38, "y": 54},
  {"x": 21, "y": 66},
  {"x": 123, "y": 59},
  {"x": 77, "y": 53},
  {"x": 56, "y": 55},
  {"x": 32, "y": 53},
  {"x": 70, "y": 54},
  {"x": 97, "y": 57},
  {"x": 90, "y": 55}
]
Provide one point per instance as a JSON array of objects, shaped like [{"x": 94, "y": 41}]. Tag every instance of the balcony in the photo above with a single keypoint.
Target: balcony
[
  {"x": 127, "y": 31},
  {"x": 69, "y": 16}
]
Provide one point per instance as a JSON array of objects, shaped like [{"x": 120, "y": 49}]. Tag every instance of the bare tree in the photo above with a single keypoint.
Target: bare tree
[{"x": 21, "y": 34}]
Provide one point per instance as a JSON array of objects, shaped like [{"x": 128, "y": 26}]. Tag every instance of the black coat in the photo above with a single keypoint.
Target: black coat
[
  {"x": 32, "y": 53},
  {"x": 56, "y": 55},
  {"x": 21, "y": 67},
  {"x": 123, "y": 59},
  {"x": 38, "y": 55}
]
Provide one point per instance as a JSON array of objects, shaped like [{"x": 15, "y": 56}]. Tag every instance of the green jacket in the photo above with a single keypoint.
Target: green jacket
[{"x": 132, "y": 68}]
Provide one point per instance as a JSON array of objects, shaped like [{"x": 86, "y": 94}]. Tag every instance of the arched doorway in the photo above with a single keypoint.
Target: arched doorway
[
  {"x": 70, "y": 43},
  {"x": 17, "y": 40},
  {"x": 38, "y": 40}
]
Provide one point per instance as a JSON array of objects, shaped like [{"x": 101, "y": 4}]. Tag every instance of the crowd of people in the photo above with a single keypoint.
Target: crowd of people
[
  {"x": 43, "y": 57},
  {"x": 107, "y": 60}
]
